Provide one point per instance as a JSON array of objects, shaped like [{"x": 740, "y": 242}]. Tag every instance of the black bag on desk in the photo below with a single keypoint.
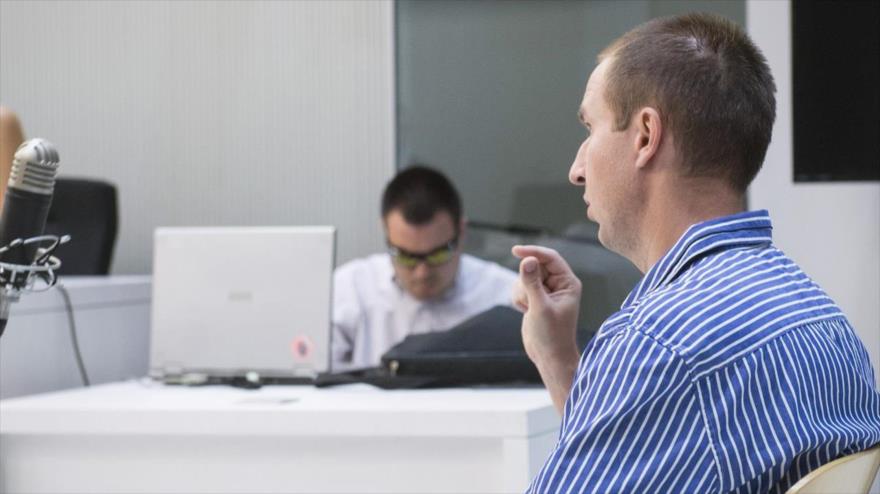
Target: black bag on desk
[{"x": 485, "y": 349}]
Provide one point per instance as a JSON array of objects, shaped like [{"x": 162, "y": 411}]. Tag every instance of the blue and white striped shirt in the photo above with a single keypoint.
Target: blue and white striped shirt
[{"x": 726, "y": 369}]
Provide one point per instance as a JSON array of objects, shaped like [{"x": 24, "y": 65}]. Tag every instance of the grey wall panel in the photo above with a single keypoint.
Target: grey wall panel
[
  {"x": 212, "y": 113},
  {"x": 488, "y": 91}
]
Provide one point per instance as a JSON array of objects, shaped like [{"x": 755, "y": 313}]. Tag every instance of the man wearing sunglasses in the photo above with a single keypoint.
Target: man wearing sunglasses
[{"x": 423, "y": 283}]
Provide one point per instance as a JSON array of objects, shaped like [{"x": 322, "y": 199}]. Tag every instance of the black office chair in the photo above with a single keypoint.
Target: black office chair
[
  {"x": 607, "y": 278},
  {"x": 86, "y": 210}
]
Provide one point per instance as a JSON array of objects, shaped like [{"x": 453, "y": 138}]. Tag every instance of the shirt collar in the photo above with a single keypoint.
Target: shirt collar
[{"x": 751, "y": 228}]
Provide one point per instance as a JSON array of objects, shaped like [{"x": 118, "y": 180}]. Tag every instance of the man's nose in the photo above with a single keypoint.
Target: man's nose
[
  {"x": 576, "y": 173},
  {"x": 422, "y": 270}
]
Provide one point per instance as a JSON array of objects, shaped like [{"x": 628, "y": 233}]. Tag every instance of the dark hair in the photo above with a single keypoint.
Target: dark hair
[
  {"x": 419, "y": 192},
  {"x": 709, "y": 82}
]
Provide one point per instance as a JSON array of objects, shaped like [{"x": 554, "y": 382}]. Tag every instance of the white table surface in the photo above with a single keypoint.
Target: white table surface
[
  {"x": 147, "y": 407},
  {"x": 133, "y": 436}
]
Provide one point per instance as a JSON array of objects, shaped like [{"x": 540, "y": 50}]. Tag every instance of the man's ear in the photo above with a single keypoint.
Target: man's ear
[
  {"x": 649, "y": 133},
  {"x": 462, "y": 231}
]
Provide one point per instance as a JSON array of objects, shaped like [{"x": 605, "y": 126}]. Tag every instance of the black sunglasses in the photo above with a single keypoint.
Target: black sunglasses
[{"x": 439, "y": 256}]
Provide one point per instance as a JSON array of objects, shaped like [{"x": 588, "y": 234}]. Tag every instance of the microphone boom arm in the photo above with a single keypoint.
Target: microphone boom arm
[{"x": 15, "y": 279}]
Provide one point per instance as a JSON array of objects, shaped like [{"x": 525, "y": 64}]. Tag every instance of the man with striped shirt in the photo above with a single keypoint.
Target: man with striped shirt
[{"x": 727, "y": 368}]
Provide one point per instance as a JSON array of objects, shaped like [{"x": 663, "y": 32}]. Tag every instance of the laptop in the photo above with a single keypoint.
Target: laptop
[{"x": 236, "y": 302}]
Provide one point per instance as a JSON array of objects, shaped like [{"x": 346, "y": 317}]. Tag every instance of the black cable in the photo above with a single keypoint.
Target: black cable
[{"x": 73, "y": 338}]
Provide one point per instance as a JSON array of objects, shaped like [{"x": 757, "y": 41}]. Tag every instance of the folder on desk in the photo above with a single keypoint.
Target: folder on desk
[{"x": 485, "y": 349}]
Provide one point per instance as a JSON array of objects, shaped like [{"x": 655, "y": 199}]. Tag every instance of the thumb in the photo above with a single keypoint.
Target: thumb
[{"x": 533, "y": 281}]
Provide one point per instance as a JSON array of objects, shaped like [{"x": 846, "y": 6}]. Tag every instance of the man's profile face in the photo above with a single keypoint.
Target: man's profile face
[
  {"x": 604, "y": 166},
  {"x": 422, "y": 280}
]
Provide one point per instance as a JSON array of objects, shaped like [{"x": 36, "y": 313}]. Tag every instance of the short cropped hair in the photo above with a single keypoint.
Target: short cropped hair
[
  {"x": 710, "y": 84},
  {"x": 419, "y": 193}
]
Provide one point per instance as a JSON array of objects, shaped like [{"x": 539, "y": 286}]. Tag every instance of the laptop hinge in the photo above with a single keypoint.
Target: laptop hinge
[
  {"x": 175, "y": 374},
  {"x": 305, "y": 372}
]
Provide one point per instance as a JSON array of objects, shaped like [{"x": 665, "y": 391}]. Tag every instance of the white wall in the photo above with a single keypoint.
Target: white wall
[
  {"x": 212, "y": 113},
  {"x": 831, "y": 229}
]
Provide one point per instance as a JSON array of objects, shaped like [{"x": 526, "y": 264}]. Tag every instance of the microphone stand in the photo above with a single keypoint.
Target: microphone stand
[
  {"x": 38, "y": 276},
  {"x": 5, "y": 300}
]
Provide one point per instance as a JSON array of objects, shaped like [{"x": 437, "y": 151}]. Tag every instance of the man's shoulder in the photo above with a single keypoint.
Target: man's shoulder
[
  {"x": 731, "y": 302},
  {"x": 370, "y": 264},
  {"x": 362, "y": 284},
  {"x": 373, "y": 272}
]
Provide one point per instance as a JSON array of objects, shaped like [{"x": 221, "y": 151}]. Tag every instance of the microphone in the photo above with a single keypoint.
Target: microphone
[
  {"x": 28, "y": 197},
  {"x": 22, "y": 245}
]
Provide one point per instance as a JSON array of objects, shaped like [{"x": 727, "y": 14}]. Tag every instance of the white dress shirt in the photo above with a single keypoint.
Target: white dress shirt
[{"x": 372, "y": 313}]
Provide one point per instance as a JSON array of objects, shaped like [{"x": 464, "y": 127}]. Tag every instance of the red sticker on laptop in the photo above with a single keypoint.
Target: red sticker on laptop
[{"x": 301, "y": 348}]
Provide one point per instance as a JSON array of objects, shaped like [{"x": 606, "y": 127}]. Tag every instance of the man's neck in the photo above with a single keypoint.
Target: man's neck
[{"x": 670, "y": 215}]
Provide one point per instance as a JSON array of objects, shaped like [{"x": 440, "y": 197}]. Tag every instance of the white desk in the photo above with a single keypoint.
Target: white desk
[
  {"x": 145, "y": 437},
  {"x": 112, "y": 315}
]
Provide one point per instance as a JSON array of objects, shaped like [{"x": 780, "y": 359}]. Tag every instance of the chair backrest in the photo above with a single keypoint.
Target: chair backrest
[
  {"x": 607, "y": 277},
  {"x": 85, "y": 209},
  {"x": 851, "y": 474}
]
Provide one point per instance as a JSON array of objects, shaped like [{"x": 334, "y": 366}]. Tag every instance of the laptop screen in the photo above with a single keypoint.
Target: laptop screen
[{"x": 233, "y": 300}]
